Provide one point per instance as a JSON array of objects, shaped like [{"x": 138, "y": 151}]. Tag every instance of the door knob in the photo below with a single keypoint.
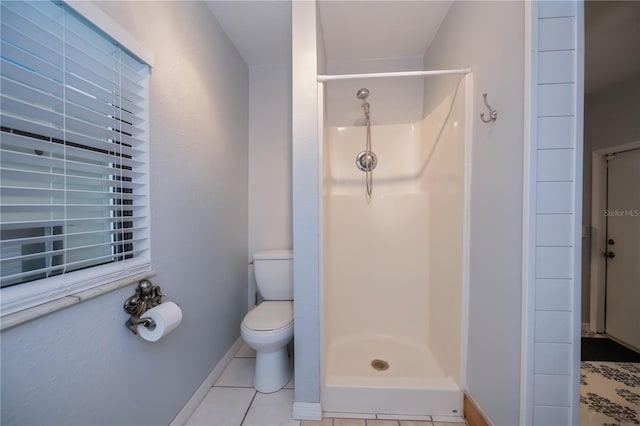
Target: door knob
[
  {"x": 610, "y": 255},
  {"x": 611, "y": 241}
]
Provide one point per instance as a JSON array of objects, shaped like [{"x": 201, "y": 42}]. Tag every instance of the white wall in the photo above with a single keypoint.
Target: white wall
[
  {"x": 489, "y": 38},
  {"x": 371, "y": 244},
  {"x": 81, "y": 365},
  {"x": 611, "y": 118},
  {"x": 443, "y": 178},
  {"x": 306, "y": 208},
  {"x": 411, "y": 228},
  {"x": 392, "y": 100},
  {"x": 269, "y": 157},
  {"x": 397, "y": 147},
  {"x": 269, "y": 161}
]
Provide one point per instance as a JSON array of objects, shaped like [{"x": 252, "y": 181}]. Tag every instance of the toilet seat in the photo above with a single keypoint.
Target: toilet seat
[{"x": 269, "y": 316}]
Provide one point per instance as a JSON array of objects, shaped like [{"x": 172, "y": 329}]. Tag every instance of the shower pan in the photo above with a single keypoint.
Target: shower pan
[{"x": 394, "y": 254}]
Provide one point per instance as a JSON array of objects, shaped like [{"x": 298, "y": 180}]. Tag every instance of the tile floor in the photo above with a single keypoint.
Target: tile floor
[
  {"x": 610, "y": 394},
  {"x": 232, "y": 401},
  {"x": 372, "y": 422}
]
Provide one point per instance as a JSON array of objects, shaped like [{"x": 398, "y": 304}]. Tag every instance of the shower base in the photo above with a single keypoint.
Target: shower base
[{"x": 413, "y": 383}]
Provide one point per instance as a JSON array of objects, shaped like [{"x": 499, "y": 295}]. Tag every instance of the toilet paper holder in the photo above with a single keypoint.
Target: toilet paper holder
[{"x": 147, "y": 296}]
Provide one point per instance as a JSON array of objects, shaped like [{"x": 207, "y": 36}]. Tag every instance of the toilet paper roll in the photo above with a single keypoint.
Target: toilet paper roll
[{"x": 167, "y": 317}]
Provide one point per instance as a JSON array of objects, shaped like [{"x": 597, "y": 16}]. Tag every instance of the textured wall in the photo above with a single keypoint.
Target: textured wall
[
  {"x": 81, "y": 365},
  {"x": 270, "y": 206},
  {"x": 270, "y": 158},
  {"x": 488, "y": 37}
]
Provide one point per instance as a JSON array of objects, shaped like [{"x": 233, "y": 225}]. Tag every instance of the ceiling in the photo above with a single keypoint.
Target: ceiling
[
  {"x": 261, "y": 31},
  {"x": 380, "y": 29}
]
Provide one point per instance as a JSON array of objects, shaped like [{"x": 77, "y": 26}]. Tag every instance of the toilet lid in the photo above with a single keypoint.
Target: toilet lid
[{"x": 270, "y": 316}]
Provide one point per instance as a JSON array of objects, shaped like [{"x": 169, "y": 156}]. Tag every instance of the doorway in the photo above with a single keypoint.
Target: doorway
[
  {"x": 614, "y": 178},
  {"x": 610, "y": 367},
  {"x": 622, "y": 276}
]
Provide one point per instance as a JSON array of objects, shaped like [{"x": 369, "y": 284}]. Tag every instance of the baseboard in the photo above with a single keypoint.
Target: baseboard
[
  {"x": 195, "y": 400},
  {"x": 473, "y": 414},
  {"x": 307, "y": 411}
]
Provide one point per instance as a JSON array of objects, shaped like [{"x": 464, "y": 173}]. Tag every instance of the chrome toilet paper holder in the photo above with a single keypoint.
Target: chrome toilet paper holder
[{"x": 147, "y": 296}]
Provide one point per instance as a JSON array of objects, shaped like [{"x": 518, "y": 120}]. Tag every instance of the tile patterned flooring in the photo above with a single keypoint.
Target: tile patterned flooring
[
  {"x": 609, "y": 392},
  {"x": 372, "y": 422},
  {"x": 609, "y": 396},
  {"x": 232, "y": 401}
]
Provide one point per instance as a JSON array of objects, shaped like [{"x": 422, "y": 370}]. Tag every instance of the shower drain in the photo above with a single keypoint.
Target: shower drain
[{"x": 379, "y": 365}]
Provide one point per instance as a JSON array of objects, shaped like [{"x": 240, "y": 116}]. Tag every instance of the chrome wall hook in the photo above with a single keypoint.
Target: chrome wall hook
[
  {"x": 493, "y": 114},
  {"x": 147, "y": 296}
]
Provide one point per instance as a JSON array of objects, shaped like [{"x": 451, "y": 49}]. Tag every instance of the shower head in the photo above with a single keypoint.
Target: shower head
[{"x": 362, "y": 94}]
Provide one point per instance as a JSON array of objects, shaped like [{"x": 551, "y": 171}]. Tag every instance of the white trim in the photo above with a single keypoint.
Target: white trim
[
  {"x": 11, "y": 320},
  {"x": 91, "y": 12},
  {"x": 33, "y": 294},
  {"x": 598, "y": 236},
  {"x": 321, "y": 240},
  {"x": 466, "y": 230},
  {"x": 26, "y": 301},
  {"x": 306, "y": 411},
  {"x": 529, "y": 211},
  {"x": 598, "y": 277},
  {"x": 577, "y": 214},
  {"x": 322, "y": 78},
  {"x": 194, "y": 402}
]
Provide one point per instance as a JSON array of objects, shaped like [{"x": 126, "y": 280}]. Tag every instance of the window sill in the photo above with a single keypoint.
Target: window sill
[{"x": 17, "y": 318}]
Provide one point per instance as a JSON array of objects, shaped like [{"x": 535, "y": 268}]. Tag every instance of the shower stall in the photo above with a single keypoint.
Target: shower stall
[{"x": 395, "y": 161}]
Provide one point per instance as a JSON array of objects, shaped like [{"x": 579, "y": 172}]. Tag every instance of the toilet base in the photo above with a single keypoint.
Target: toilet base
[{"x": 273, "y": 370}]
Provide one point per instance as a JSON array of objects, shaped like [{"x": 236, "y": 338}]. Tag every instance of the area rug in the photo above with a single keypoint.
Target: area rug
[{"x": 609, "y": 394}]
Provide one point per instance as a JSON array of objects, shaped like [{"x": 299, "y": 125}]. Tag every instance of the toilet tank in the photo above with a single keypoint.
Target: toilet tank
[{"x": 274, "y": 274}]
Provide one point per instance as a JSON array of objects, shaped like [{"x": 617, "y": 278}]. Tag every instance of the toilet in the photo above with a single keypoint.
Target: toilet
[{"x": 268, "y": 327}]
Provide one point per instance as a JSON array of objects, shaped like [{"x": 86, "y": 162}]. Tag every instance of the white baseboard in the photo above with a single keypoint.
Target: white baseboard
[
  {"x": 195, "y": 400},
  {"x": 307, "y": 411}
]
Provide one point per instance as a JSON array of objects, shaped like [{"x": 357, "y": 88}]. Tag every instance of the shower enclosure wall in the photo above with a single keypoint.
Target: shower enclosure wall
[{"x": 394, "y": 265}]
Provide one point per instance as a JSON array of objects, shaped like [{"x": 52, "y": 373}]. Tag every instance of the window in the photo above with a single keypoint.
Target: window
[{"x": 73, "y": 156}]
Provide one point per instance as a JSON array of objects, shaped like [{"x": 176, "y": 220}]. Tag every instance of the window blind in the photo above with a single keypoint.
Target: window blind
[{"x": 73, "y": 148}]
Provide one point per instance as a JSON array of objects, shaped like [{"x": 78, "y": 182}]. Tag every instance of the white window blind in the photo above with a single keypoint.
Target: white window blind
[{"x": 73, "y": 153}]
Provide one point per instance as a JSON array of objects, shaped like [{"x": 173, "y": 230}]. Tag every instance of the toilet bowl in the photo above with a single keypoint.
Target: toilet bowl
[{"x": 268, "y": 327}]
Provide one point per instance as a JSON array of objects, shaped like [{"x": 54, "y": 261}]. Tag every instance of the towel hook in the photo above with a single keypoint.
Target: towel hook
[{"x": 493, "y": 114}]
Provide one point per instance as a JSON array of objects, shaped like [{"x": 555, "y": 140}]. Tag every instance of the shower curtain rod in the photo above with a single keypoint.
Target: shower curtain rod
[{"x": 322, "y": 78}]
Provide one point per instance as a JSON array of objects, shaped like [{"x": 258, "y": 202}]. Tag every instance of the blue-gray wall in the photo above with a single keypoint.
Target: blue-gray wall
[
  {"x": 488, "y": 37},
  {"x": 81, "y": 365}
]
